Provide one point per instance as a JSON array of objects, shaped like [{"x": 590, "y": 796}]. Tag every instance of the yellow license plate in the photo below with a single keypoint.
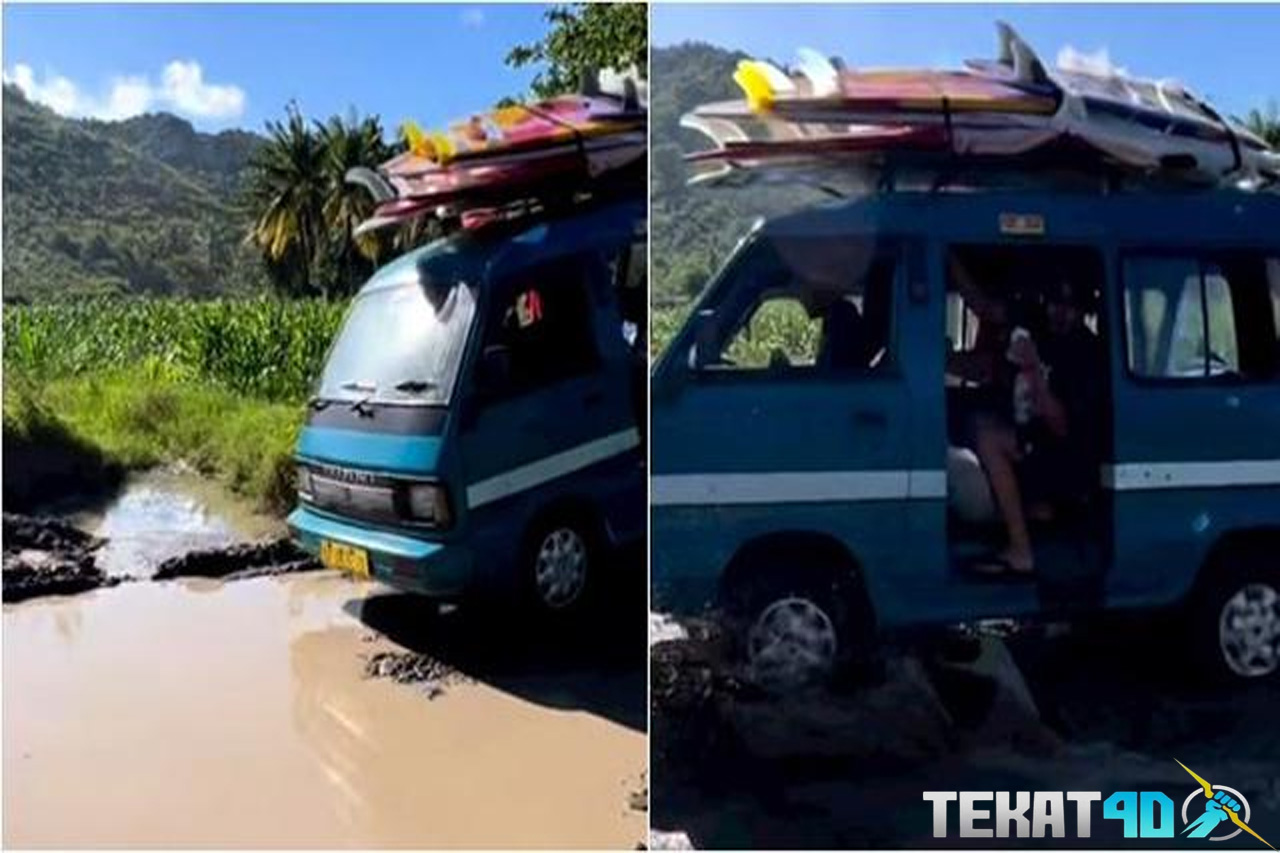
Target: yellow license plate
[{"x": 346, "y": 558}]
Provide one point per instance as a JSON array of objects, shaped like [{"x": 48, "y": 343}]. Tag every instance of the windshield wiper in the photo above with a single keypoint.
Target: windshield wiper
[{"x": 415, "y": 386}]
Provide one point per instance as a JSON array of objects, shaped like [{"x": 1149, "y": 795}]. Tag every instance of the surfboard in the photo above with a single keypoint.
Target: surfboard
[
  {"x": 1008, "y": 106},
  {"x": 500, "y": 156}
]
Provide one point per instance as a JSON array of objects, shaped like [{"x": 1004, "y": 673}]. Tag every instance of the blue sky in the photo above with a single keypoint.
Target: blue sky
[
  {"x": 235, "y": 66},
  {"x": 1227, "y": 53}
]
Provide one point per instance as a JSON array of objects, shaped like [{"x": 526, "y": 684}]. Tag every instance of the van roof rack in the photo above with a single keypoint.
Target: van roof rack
[{"x": 1055, "y": 169}]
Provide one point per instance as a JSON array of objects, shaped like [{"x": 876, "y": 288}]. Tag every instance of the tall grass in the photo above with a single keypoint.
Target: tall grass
[{"x": 265, "y": 348}]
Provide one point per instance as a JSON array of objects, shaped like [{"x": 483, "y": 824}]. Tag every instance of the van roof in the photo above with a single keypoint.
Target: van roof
[
  {"x": 1172, "y": 218},
  {"x": 467, "y": 254}
]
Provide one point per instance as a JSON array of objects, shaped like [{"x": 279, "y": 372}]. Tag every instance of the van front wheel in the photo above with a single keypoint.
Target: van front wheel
[
  {"x": 798, "y": 630},
  {"x": 559, "y": 562}
]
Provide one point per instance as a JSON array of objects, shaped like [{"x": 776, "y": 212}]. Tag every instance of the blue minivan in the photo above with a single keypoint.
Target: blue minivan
[
  {"x": 822, "y": 491},
  {"x": 476, "y": 426}
]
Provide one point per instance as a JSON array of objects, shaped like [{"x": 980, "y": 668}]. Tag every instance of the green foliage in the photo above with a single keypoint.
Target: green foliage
[
  {"x": 142, "y": 206},
  {"x": 695, "y": 228},
  {"x": 134, "y": 419},
  {"x": 303, "y": 209},
  {"x": 585, "y": 37},
  {"x": 264, "y": 348},
  {"x": 1266, "y": 124}
]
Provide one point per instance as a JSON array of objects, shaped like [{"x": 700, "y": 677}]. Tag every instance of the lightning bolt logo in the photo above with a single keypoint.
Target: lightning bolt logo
[{"x": 1235, "y": 816}]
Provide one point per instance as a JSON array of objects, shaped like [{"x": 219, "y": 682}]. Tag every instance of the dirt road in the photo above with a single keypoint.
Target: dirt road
[
  {"x": 241, "y": 714},
  {"x": 1108, "y": 708}
]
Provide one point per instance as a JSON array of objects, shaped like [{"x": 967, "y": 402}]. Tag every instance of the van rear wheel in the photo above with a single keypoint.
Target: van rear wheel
[{"x": 1237, "y": 620}]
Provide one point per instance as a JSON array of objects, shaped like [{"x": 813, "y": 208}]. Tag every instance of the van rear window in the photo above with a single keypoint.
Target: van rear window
[{"x": 1202, "y": 317}]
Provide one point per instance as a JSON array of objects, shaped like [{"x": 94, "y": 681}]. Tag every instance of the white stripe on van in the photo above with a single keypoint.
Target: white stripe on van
[
  {"x": 780, "y": 487},
  {"x": 550, "y": 468},
  {"x": 1135, "y": 476}
]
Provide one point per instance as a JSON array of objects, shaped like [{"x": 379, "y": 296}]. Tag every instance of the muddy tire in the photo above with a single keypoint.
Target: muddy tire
[
  {"x": 559, "y": 563},
  {"x": 800, "y": 629},
  {"x": 1235, "y": 619}
]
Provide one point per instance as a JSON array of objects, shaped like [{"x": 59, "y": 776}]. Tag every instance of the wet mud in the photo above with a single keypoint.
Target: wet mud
[
  {"x": 46, "y": 556},
  {"x": 238, "y": 562},
  {"x": 1099, "y": 708},
  {"x": 292, "y": 706},
  {"x": 255, "y": 695}
]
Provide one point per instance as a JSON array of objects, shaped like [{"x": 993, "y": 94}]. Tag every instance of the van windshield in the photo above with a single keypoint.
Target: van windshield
[{"x": 400, "y": 344}]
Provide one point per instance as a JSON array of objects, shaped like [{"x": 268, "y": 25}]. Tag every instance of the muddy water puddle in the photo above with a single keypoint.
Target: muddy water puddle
[
  {"x": 164, "y": 513},
  {"x": 208, "y": 714}
]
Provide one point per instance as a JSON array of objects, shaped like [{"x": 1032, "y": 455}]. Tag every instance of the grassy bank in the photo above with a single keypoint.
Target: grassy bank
[
  {"x": 98, "y": 387},
  {"x": 102, "y": 424}
]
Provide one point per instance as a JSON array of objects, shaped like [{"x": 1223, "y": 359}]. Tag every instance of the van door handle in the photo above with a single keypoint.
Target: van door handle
[{"x": 869, "y": 418}]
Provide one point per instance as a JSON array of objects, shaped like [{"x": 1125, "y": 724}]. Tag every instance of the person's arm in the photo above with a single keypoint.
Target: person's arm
[{"x": 974, "y": 298}]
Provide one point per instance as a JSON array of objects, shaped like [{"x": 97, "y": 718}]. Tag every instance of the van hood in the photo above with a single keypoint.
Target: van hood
[{"x": 388, "y": 439}]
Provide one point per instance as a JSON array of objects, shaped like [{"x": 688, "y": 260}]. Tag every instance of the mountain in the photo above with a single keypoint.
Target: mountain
[
  {"x": 694, "y": 228},
  {"x": 146, "y": 205}
]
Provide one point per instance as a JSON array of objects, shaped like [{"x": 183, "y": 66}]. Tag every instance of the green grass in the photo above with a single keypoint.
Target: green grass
[
  {"x": 134, "y": 383},
  {"x": 135, "y": 420}
]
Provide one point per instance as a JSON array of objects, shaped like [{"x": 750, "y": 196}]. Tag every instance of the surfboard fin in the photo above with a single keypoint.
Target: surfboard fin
[
  {"x": 754, "y": 84},
  {"x": 820, "y": 71},
  {"x": 1018, "y": 55},
  {"x": 379, "y": 187}
]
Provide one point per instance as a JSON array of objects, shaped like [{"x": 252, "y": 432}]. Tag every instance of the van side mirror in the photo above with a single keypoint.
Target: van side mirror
[{"x": 704, "y": 337}]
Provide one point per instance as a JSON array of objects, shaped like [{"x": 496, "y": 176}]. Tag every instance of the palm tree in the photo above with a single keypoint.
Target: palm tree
[
  {"x": 287, "y": 192},
  {"x": 1266, "y": 125},
  {"x": 355, "y": 142}
]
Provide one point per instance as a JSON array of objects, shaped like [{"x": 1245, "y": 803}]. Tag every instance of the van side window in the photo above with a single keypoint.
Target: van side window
[
  {"x": 541, "y": 324},
  {"x": 814, "y": 304},
  {"x": 1196, "y": 318}
]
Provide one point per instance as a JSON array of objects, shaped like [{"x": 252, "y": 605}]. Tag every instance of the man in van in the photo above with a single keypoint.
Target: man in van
[{"x": 1047, "y": 452}]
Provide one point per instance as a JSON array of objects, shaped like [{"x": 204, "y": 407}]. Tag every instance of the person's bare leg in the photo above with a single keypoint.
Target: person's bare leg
[{"x": 998, "y": 450}]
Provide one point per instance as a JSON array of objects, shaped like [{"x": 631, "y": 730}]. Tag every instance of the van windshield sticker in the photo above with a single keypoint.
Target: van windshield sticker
[{"x": 528, "y": 308}]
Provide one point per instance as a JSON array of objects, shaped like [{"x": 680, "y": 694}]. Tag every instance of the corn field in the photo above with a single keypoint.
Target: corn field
[
  {"x": 778, "y": 327},
  {"x": 266, "y": 348}
]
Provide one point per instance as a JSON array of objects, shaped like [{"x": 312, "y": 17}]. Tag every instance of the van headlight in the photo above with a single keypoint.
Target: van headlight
[{"x": 428, "y": 502}]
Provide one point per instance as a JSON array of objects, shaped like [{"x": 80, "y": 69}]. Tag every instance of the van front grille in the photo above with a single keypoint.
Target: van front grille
[{"x": 355, "y": 494}]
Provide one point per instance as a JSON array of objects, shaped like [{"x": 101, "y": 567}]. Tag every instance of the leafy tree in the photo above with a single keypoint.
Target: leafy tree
[{"x": 585, "y": 37}]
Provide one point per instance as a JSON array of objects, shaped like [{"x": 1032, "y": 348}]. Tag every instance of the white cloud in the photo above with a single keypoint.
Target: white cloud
[
  {"x": 1098, "y": 62},
  {"x": 473, "y": 19},
  {"x": 182, "y": 90}
]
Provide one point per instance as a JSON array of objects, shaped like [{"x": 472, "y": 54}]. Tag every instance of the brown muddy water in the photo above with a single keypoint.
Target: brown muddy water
[{"x": 212, "y": 714}]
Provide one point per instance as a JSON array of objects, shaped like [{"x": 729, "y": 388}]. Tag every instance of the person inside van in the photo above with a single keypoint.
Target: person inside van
[{"x": 1047, "y": 451}]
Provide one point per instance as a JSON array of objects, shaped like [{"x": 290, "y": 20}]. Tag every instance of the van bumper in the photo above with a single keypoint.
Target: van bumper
[{"x": 405, "y": 562}]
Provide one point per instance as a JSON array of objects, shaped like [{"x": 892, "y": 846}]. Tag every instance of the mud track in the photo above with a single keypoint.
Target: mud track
[{"x": 48, "y": 556}]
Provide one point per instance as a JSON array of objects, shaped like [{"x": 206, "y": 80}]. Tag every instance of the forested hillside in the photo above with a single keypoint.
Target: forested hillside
[
  {"x": 147, "y": 205},
  {"x": 694, "y": 227}
]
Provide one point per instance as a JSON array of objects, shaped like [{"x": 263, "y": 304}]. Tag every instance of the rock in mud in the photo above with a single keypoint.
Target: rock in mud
[
  {"x": 236, "y": 562},
  {"x": 414, "y": 668},
  {"x": 22, "y": 532},
  {"x": 46, "y": 556}
]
